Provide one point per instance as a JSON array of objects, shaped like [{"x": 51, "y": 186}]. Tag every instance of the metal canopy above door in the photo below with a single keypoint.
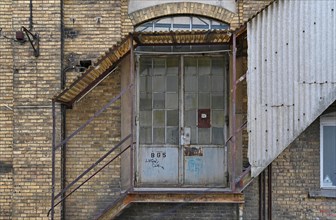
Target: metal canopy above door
[{"x": 181, "y": 126}]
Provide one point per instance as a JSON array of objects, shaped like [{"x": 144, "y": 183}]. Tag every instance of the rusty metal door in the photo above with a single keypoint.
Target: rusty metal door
[{"x": 181, "y": 121}]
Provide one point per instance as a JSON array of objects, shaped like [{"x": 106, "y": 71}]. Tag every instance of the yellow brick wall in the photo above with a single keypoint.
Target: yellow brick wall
[
  {"x": 27, "y": 84},
  {"x": 6, "y": 113},
  {"x": 89, "y": 145}
]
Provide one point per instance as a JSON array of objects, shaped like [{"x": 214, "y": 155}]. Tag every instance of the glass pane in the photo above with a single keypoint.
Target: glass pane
[
  {"x": 203, "y": 100},
  {"x": 172, "y": 101},
  {"x": 329, "y": 153},
  {"x": 204, "y": 84},
  {"x": 172, "y": 135},
  {"x": 193, "y": 138},
  {"x": 190, "y": 100},
  {"x": 190, "y": 118},
  {"x": 146, "y": 66},
  {"x": 145, "y": 135},
  {"x": 181, "y": 23},
  {"x": 145, "y": 118},
  {"x": 145, "y": 84},
  {"x": 145, "y": 101},
  {"x": 158, "y": 135},
  {"x": 217, "y": 66},
  {"x": 200, "y": 24},
  {"x": 218, "y": 118},
  {"x": 172, "y": 65},
  {"x": 217, "y": 135},
  {"x": 172, "y": 83},
  {"x": 173, "y": 118},
  {"x": 159, "y": 83},
  {"x": 217, "y": 101},
  {"x": 203, "y": 135},
  {"x": 204, "y": 65},
  {"x": 190, "y": 83},
  {"x": 159, "y": 100},
  {"x": 217, "y": 83},
  {"x": 190, "y": 66},
  {"x": 159, "y": 118},
  {"x": 159, "y": 66}
]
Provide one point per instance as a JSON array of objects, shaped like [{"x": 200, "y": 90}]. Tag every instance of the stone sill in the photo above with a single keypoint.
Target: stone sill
[{"x": 322, "y": 193}]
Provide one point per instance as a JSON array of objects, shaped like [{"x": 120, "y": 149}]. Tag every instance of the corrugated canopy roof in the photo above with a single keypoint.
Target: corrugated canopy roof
[{"x": 106, "y": 63}]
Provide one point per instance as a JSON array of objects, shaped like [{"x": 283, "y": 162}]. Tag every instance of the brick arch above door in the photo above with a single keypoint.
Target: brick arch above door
[{"x": 182, "y": 8}]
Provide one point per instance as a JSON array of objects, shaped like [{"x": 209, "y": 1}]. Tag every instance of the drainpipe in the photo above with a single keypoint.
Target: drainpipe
[
  {"x": 234, "y": 85},
  {"x": 269, "y": 211},
  {"x": 63, "y": 115},
  {"x": 31, "y": 15}
]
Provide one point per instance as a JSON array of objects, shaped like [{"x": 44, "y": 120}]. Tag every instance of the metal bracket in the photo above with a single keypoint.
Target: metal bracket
[{"x": 34, "y": 41}]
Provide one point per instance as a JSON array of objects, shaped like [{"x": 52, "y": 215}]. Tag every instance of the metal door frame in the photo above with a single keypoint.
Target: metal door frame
[{"x": 181, "y": 110}]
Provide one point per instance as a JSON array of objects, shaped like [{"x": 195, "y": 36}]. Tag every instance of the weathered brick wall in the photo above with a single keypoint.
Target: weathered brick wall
[
  {"x": 90, "y": 29},
  {"x": 6, "y": 113},
  {"x": 89, "y": 145},
  {"x": 27, "y": 84},
  {"x": 180, "y": 211},
  {"x": 296, "y": 172},
  {"x": 35, "y": 80}
]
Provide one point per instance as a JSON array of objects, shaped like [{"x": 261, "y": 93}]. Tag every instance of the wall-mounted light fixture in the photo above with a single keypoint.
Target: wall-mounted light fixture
[{"x": 34, "y": 39}]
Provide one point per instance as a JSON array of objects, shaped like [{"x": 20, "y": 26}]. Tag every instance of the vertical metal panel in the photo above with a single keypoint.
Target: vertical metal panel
[{"x": 292, "y": 75}]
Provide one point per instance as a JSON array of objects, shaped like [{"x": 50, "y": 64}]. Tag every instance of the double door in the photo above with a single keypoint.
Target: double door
[{"x": 181, "y": 121}]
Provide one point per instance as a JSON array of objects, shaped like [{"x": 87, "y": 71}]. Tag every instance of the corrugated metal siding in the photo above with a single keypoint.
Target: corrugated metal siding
[{"x": 292, "y": 77}]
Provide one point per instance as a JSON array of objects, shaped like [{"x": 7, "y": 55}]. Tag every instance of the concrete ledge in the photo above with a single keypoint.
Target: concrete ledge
[{"x": 322, "y": 193}]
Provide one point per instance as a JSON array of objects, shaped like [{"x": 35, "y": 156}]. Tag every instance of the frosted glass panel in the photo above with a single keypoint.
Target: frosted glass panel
[
  {"x": 145, "y": 101},
  {"x": 159, "y": 67},
  {"x": 217, "y": 66},
  {"x": 173, "y": 135},
  {"x": 190, "y": 66},
  {"x": 203, "y": 100},
  {"x": 217, "y": 83},
  {"x": 204, "y": 66},
  {"x": 158, "y": 135},
  {"x": 159, "y": 83},
  {"x": 172, "y": 83},
  {"x": 145, "y": 84},
  {"x": 145, "y": 135},
  {"x": 217, "y": 101},
  {"x": 190, "y": 118},
  {"x": 172, "y": 101},
  {"x": 146, "y": 118},
  {"x": 204, "y": 83},
  {"x": 203, "y": 135},
  {"x": 159, "y": 101},
  {"x": 172, "y": 118},
  {"x": 158, "y": 118},
  {"x": 190, "y": 100},
  {"x": 191, "y": 84},
  {"x": 217, "y": 135},
  {"x": 218, "y": 118}
]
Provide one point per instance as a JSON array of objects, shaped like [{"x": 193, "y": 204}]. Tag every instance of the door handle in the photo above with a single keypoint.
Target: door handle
[{"x": 185, "y": 136}]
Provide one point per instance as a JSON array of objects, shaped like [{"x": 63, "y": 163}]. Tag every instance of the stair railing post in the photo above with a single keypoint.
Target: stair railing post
[
  {"x": 53, "y": 159},
  {"x": 132, "y": 111}
]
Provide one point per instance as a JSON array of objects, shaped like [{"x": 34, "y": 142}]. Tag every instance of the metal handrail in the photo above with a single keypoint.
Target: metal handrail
[
  {"x": 94, "y": 116},
  {"x": 55, "y": 147},
  {"x": 90, "y": 168}
]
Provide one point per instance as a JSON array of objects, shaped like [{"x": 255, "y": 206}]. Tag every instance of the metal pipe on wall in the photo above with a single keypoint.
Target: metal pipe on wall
[
  {"x": 132, "y": 89},
  {"x": 269, "y": 208},
  {"x": 63, "y": 114},
  {"x": 263, "y": 195},
  {"x": 233, "y": 130},
  {"x": 260, "y": 197},
  {"x": 31, "y": 15},
  {"x": 53, "y": 159}
]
